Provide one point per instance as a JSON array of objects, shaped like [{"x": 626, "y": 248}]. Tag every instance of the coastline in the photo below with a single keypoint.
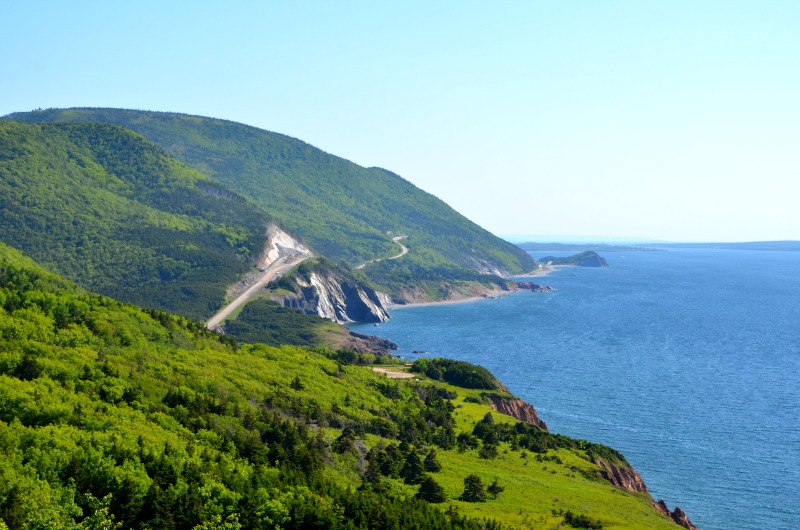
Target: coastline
[{"x": 491, "y": 295}]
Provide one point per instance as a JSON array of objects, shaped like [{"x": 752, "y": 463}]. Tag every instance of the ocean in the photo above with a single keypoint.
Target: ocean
[{"x": 687, "y": 361}]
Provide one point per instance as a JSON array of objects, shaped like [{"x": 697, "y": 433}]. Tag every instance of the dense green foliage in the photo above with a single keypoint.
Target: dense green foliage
[
  {"x": 271, "y": 323},
  {"x": 344, "y": 211},
  {"x": 459, "y": 373},
  {"x": 108, "y": 209},
  {"x": 116, "y": 417},
  {"x": 587, "y": 258},
  {"x": 101, "y": 398}
]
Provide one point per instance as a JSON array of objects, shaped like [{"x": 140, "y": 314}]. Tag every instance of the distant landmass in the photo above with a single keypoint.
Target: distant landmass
[
  {"x": 580, "y": 247},
  {"x": 752, "y": 245},
  {"x": 584, "y": 259}
]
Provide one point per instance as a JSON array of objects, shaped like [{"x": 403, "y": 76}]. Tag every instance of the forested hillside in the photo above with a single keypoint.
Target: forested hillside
[
  {"x": 107, "y": 208},
  {"x": 116, "y": 417},
  {"x": 343, "y": 211}
]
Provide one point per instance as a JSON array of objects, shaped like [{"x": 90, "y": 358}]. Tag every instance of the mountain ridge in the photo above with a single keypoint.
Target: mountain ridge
[{"x": 342, "y": 210}]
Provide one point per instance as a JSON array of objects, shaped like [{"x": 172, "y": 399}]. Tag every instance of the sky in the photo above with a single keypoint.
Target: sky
[{"x": 549, "y": 120}]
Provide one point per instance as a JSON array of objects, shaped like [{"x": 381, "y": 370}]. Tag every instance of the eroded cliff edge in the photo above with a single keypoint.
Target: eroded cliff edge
[{"x": 617, "y": 471}]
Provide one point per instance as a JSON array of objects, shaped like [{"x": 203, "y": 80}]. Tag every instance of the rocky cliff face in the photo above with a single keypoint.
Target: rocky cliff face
[
  {"x": 368, "y": 344},
  {"x": 279, "y": 245},
  {"x": 330, "y": 293},
  {"x": 535, "y": 287},
  {"x": 677, "y": 515},
  {"x": 624, "y": 477},
  {"x": 627, "y": 477},
  {"x": 519, "y": 409}
]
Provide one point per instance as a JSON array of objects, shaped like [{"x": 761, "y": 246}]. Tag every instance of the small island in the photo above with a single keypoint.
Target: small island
[{"x": 584, "y": 259}]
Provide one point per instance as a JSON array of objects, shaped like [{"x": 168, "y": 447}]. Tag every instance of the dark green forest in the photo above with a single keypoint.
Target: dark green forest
[
  {"x": 105, "y": 207},
  {"x": 343, "y": 211}
]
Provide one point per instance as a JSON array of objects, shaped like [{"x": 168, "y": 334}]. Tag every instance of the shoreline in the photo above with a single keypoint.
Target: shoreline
[{"x": 491, "y": 295}]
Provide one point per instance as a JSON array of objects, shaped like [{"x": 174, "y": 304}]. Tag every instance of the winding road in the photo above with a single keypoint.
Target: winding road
[
  {"x": 277, "y": 267},
  {"x": 403, "y": 252}
]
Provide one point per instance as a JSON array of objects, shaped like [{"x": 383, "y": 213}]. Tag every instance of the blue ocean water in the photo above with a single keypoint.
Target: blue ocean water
[{"x": 686, "y": 361}]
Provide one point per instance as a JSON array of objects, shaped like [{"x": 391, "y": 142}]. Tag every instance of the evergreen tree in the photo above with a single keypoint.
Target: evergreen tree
[
  {"x": 473, "y": 489},
  {"x": 495, "y": 489},
  {"x": 372, "y": 474},
  {"x": 488, "y": 451},
  {"x": 431, "y": 491},
  {"x": 413, "y": 471},
  {"x": 431, "y": 462},
  {"x": 391, "y": 461}
]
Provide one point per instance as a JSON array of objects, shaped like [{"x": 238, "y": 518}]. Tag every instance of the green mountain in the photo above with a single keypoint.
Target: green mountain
[
  {"x": 343, "y": 211},
  {"x": 588, "y": 258},
  {"x": 108, "y": 209},
  {"x": 112, "y": 416}
]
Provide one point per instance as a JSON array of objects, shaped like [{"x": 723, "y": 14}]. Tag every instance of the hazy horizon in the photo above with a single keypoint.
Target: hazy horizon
[{"x": 617, "y": 240}]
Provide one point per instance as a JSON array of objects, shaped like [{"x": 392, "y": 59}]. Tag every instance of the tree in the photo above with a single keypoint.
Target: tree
[
  {"x": 101, "y": 518},
  {"x": 488, "y": 451},
  {"x": 431, "y": 491},
  {"x": 431, "y": 463},
  {"x": 413, "y": 471},
  {"x": 473, "y": 489},
  {"x": 297, "y": 384},
  {"x": 495, "y": 489},
  {"x": 216, "y": 523}
]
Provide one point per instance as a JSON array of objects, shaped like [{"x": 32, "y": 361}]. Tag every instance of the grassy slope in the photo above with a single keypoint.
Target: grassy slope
[
  {"x": 342, "y": 210},
  {"x": 110, "y": 210},
  {"x": 102, "y": 397}
]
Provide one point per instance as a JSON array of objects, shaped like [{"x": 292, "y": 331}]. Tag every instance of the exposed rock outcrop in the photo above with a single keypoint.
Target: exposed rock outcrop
[
  {"x": 321, "y": 288},
  {"x": 339, "y": 301},
  {"x": 368, "y": 344},
  {"x": 622, "y": 476},
  {"x": 677, "y": 515},
  {"x": 627, "y": 477},
  {"x": 280, "y": 245},
  {"x": 517, "y": 408},
  {"x": 535, "y": 287}
]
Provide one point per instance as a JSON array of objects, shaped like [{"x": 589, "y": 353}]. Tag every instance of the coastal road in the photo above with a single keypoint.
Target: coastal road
[
  {"x": 277, "y": 267},
  {"x": 403, "y": 252}
]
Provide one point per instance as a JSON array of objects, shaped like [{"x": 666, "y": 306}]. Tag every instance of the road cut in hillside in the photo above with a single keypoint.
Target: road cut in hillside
[{"x": 277, "y": 267}]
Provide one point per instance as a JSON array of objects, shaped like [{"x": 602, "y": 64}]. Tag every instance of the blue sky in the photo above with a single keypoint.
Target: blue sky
[{"x": 667, "y": 120}]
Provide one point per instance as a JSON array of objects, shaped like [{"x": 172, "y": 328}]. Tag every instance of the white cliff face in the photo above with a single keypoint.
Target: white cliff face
[
  {"x": 340, "y": 302},
  {"x": 326, "y": 296},
  {"x": 280, "y": 244}
]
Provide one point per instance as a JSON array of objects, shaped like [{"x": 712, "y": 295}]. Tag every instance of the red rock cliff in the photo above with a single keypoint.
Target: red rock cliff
[
  {"x": 624, "y": 477},
  {"x": 518, "y": 409},
  {"x": 677, "y": 515}
]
